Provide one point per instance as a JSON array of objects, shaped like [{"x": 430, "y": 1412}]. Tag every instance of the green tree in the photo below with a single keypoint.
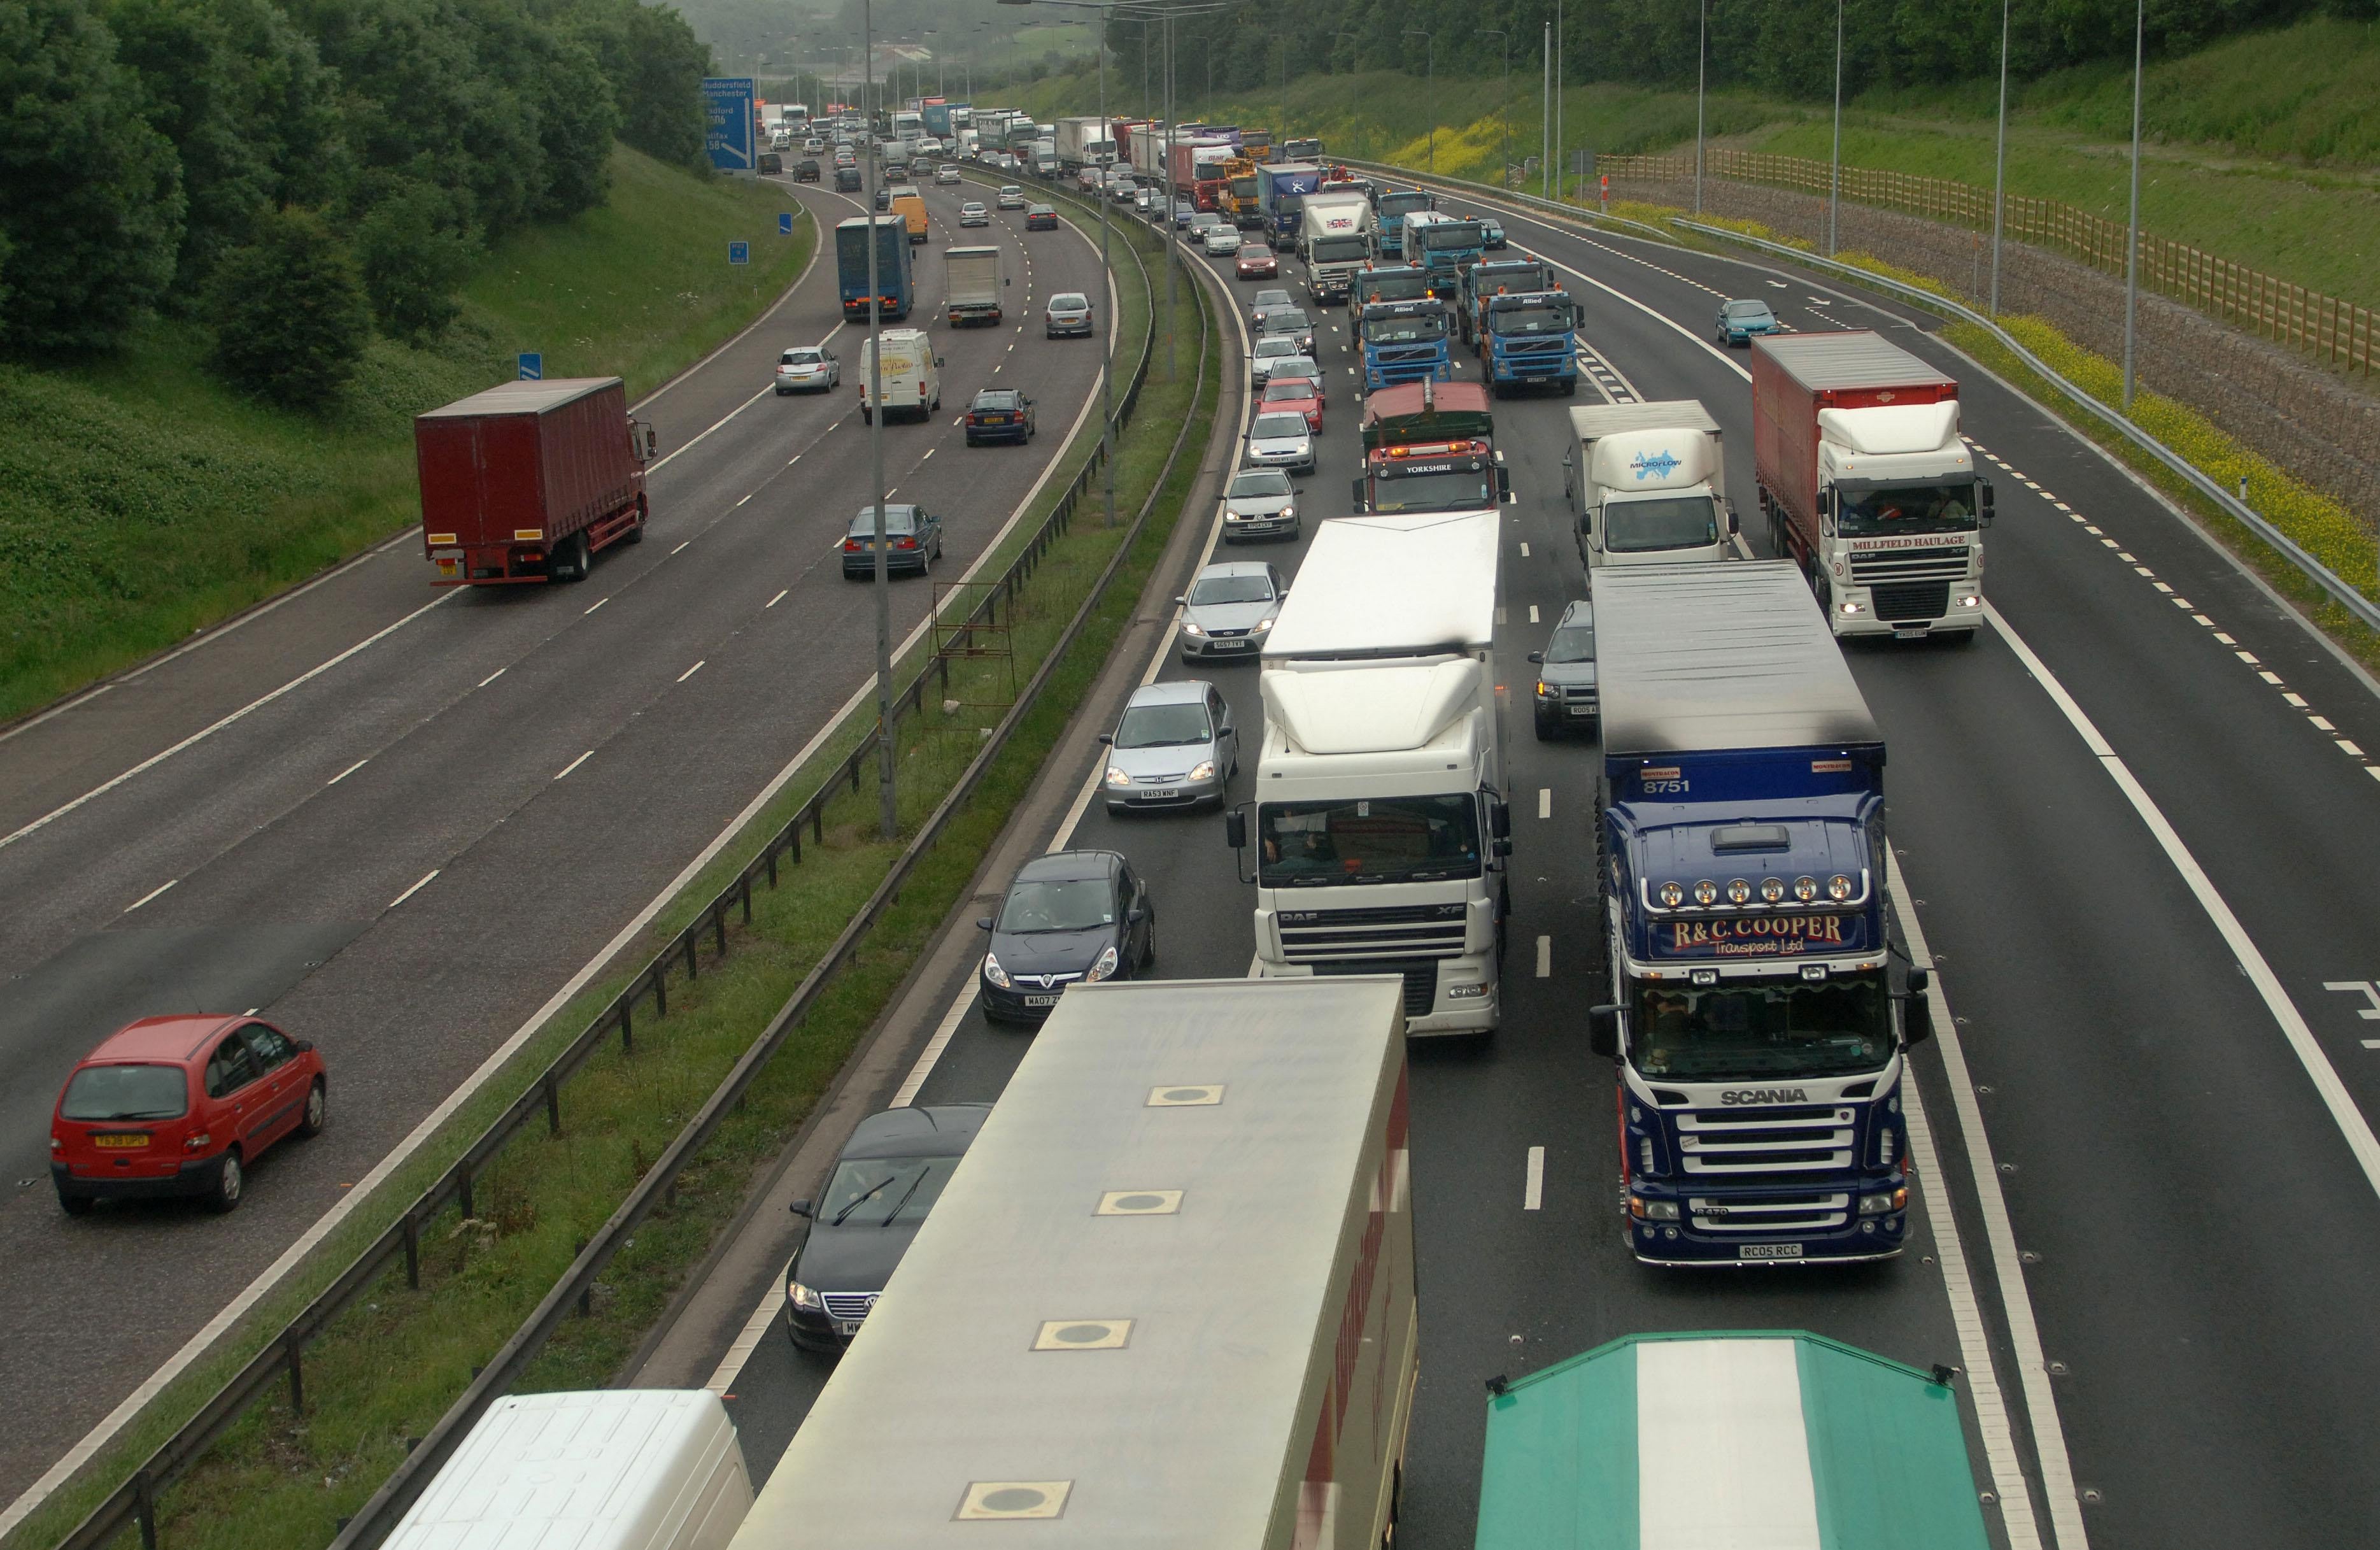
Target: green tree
[
  {"x": 413, "y": 253},
  {"x": 289, "y": 311},
  {"x": 91, "y": 196},
  {"x": 656, "y": 66}
]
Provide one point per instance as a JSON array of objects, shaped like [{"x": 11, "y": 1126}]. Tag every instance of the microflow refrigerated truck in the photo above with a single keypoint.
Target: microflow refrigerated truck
[
  {"x": 1380, "y": 816},
  {"x": 1166, "y": 1302},
  {"x": 1648, "y": 485},
  {"x": 1742, "y": 865}
]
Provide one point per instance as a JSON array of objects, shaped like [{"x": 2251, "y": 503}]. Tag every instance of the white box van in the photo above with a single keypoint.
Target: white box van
[
  {"x": 607, "y": 1469},
  {"x": 913, "y": 375}
]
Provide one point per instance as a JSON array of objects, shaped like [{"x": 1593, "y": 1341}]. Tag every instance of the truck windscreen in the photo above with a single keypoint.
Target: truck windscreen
[
  {"x": 1395, "y": 285},
  {"x": 1439, "y": 489},
  {"x": 1391, "y": 206},
  {"x": 1748, "y": 1030},
  {"x": 1368, "y": 839},
  {"x": 1894, "y": 511},
  {"x": 1342, "y": 250},
  {"x": 1516, "y": 321},
  {"x": 1642, "y": 527},
  {"x": 1416, "y": 329},
  {"x": 1450, "y": 238}
]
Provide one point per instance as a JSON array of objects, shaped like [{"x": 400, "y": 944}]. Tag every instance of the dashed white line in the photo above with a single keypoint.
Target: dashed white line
[
  {"x": 1524, "y": 548},
  {"x": 1533, "y": 613},
  {"x": 413, "y": 890},
  {"x": 149, "y": 895},
  {"x": 691, "y": 671},
  {"x": 349, "y": 770},
  {"x": 688, "y": 541},
  {"x": 598, "y": 603},
  {"x": 1545, "y": 957},
  {"x": 1545, "y": 802},
  {"x": 575, "y": 763},
  {"x": 494, "y": 677},
  {"x": 1533, "y": 1191},
  {"x": 746, "y": 498},
  {"x": 779, "y": 598},
  {"x": 2322, "y": 724}
]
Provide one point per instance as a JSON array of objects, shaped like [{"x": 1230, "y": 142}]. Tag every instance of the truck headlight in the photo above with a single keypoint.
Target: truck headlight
[
  {"x": 1655, "y": 1211},
  {"x": 1104, "y": 966},
  {"x": 994, "y": 971},
  {"x": 802, "y": 1297},
  {"x": 1885, "y": 1205},
  {"x": 1847, "y": 606},
  {"x": 1971, "y": 602}
]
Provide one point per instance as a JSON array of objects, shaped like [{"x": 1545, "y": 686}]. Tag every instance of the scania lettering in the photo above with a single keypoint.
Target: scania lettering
[
  {"x": 1381, "y": 824},
  {"x": 1529, "y": 339},
  {"x": 1741, "y": 861},
  {"x": 1407, "y": 341},
  {"x": 1389, "y": 210},
  {"x": 1648, "y": 485},
  {"x": 1867, "y": 483},
  {"x": 1335, "y": 240}
]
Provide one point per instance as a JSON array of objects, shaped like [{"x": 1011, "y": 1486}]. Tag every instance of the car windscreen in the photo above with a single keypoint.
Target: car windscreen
[
  {"x": 1760, "y": 1029},
  {"x": 1176, "y": 725},
  {"x": 882, "y": 1191},
  {"x": 801, "y": 358},
  {"x": 1572, "y": 643},
  {"x": 1747, "y": 308},
  {"x": 1266, "y": 481},
  {"x": 1076, "y": 904},
  {"x": 996, "y": 401},
  {"x": 1283, "y": 348},
  {"x": 1288, "y": 320},
  {"x": 1269, "y": 426},
  {"x": 103, "y": 1093},
  {"x": 1639, "y": 527},
  {"x": 1368, "y": 839},
  {"x": 1232, "y": 589}
]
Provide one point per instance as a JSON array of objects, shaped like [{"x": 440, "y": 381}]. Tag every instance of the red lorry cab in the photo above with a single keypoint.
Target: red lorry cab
[
  {"x": 526, "y": 480},
  {"x": 1794, "y": 377}
]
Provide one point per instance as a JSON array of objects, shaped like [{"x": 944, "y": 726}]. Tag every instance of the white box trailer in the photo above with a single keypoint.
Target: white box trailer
[
  {"x": 1166, "y": 1302},
  {"x": 1648, "y": 485},
  {"x": 631, "y": 1468},
  {"x": 973, "y": 284}
]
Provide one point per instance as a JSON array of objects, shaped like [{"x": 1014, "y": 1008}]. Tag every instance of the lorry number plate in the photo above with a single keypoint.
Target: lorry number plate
[
  {"x": 1769, "y": 1251},
  {"x": 1655, "y": 787}
]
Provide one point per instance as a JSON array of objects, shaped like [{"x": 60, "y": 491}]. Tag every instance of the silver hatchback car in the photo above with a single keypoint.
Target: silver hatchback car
[
  {"x": 1069, "y": 312},
  {"x": 1280, "y": 441},
  {"x": 1229, "y": 608},
  {"x": 1173, "y": 747},
  {"x": 1261, "y": 503}
]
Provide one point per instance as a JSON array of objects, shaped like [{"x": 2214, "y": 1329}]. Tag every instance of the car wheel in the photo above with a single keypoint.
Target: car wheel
[
  {"x": 318, "y": 1102},
  {"x": 75, "y": 1205},
  {"x": 783, "y": 391},
  {"x": 866, "y": 415},
  {"x": 1148, "y": 953},
  {"x": 231, "y": 1182},
  {"x": 1545, "y": 727}
]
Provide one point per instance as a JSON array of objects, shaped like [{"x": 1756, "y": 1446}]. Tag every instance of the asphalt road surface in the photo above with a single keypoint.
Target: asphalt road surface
[
  {"x": 2136, "y": 823},
  {"x": 468, "y": 794}
]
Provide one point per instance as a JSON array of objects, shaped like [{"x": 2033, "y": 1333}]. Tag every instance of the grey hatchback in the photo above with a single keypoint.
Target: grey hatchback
[
  {"x": 1229, "y": 608},
  {"x": 1174, "y": 745}
]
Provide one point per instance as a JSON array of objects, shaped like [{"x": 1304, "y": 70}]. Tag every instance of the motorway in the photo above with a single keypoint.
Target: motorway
[
  {"x": 2135, "y": 826},
  {"x": 403, "y": 820}
]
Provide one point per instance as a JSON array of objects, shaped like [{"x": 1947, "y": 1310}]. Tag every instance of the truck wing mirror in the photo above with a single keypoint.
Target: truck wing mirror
[
  {"x": 1537, "y": 657},
  {"x": 1917, "y": 1019},
  {"x": 1357, "y": 497},
  {"x": 1919, "y": 981},
  {"x": 1983, "y": 503},
  {"x": 1503, "y": 478},
  {"x": 1500, "y": 820},
  {"x": 1603, "y": 1031},
  {"x": 1732, "y": 526},
  {"x": 1236, "y": 829}
]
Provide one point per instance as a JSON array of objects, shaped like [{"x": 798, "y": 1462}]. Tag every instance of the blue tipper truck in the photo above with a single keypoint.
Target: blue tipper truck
[
  {"x": 1390, "y": 209},
  {"x": 1405, "y": 341},
  {"x": 893, "y": 271},
  {"x": 1760, "y": 1042},
  {"x": 1282, "y": 187},
  {"x": 1529, "y": 338}
]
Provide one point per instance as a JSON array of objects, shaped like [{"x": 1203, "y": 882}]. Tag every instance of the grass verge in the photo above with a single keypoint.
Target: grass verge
[
  {"x": 140, "y": 500},
  {"x": 388, "y": 1367}
]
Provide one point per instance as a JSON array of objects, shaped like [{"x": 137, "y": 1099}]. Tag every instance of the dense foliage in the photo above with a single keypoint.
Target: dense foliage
[{"x": 153, "y": 147}]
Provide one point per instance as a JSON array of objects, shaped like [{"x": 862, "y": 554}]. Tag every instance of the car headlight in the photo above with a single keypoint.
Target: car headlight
[
  {"x": 803, "y": 1297},
  {"x": 1262, "y": 625},
  {"x": 1118, "y": 777},
  {"x": 1104, "y": 966},
  {"x": 1203, "y": 770},
  {"x": 1546, "y": 690},
  {"x": 994, "y": 971},
  {"x": 1189, "y": 628},
  {"x": 1287, "y": 512}
]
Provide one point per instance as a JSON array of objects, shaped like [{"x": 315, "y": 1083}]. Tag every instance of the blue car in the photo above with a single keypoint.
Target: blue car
[
  {"x": 1493, "y": 233},
  {"x": 1739, "y": 321}
]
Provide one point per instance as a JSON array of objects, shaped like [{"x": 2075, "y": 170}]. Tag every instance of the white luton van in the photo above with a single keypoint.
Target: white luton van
[
  {"x": 1166, "y": 1302},
  {"x": 627, "y": 1469},
  {"x": 1648, "y": 485},
  {"x": 913, "y": 375}
]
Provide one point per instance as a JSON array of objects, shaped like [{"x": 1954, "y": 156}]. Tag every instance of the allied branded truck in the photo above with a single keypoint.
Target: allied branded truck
[
  {"x": 1405, "y": 341},
  {"x": 1867, "y": 485},
  {"x": 1529, "y": 339},
  {"x": 1513, "y": 276},
  {"x": 895, "y": 285},
  {"x": 1779, "y": 1439},
  {"x": 1380, "y": 823},
  {"x": 1383, "y": 281},
  {"x": 1445, "y": 246},
  {"x": 1648, "y": 485},
  {"x": 1742, "y": 862},
  {"x": 1166, "y": 1302},
  {"x": 1335, "y": 239},
  {"x": 526, "y": 480}
]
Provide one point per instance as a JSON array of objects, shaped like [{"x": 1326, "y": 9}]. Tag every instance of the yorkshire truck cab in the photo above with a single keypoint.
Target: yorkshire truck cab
[{"x": 1757, "y": 1029}]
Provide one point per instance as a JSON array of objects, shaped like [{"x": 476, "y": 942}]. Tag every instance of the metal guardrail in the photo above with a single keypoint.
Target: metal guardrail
[
  {"x": 2342, "y": 592},
  {"x": 134, "y": 1502}
]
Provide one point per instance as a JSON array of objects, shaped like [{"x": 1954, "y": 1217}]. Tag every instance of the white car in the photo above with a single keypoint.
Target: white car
[
  {"x": 946, "y": 174},
  {"x": 807, "y": 369},
  {"x": 1280, "y": 441},
  {"x": 973, "y": 213},
  {"x": 1222, "y": 241},
  {"x": 1012, "y": 198},
  {"x": 1269, "y": 353}
]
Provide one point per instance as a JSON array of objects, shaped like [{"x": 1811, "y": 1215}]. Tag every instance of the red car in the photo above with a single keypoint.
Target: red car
[
  {"x": 181, "y": 1105},
  {"x": 1257, "y": 262},
  {"x": 1295, "y": 392}
]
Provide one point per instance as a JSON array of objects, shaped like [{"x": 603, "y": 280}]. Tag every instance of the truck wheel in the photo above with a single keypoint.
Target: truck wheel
[{"x": 574, "y": 562}]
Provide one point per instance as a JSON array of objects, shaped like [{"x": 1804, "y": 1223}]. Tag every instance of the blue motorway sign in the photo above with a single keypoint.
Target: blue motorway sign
[
  {"x": 785, "y": 224},
  {"x": 730, "y": 103},
  {"x": 739, "y": 253},
  {"x": 532, "y": 366}
]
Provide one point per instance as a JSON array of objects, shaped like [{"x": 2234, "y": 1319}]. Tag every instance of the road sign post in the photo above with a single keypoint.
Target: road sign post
[
  {"x": 532, "y": 366},
  {"x": 739, "y": 253}
]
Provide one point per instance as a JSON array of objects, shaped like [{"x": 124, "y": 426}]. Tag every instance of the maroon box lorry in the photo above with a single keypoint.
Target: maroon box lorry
[
  {"x": 1867, "y": 485},
  {"x": 526, "y": 480}
]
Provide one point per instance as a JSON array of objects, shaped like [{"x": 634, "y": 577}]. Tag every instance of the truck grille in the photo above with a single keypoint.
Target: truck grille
[
  {"x": 1912, "y": 602},
  {"x": 849, "y": 1305},
  {"x": 1753, "y": 1143},
  {"x": 1942, "y": 563},
  {"x": 1309, "y": 935},
  {"x": 1769, "y": 1214},
  {"x": 1554, "y": 346},
  {"x": 1421, "y": 980}
]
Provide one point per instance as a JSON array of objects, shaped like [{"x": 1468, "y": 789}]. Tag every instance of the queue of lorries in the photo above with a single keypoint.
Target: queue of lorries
[{"x": 1164, "y": 1289}]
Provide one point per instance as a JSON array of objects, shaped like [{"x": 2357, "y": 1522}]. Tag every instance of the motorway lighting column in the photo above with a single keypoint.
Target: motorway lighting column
[
  {"x": 2000, "y": 162},
  {"x": 2132, "y": 233},
  {"x": 888, "y": 807},
  {"x": 1430, "y": 73}
]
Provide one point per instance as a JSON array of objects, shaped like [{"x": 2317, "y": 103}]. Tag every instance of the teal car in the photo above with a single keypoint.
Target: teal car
[{"x": 1740, "y": 321}]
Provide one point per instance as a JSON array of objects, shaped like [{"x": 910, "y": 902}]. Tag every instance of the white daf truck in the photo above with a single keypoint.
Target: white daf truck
[
  {"x": 1335, "y": 240},
  {"x": 1380, "y": 823},
  {"x": 1648, "y": 485}
]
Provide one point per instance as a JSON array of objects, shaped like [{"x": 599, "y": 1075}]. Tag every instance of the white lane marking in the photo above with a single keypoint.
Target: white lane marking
[
  {"x": 929, "y": 452},
  {"x": 2322, "y": 724},
  {"x": 575, "y": 763},
  {"x": 779, "y": 598},
  {"x": 1545, "y": 802},
  {"x": 1992, "y": 1418},
  {"x": 209, "y": 730},
  {"x": 691, "y": 671},
  {"x": 349, "y": 770},
  {"x": 2248, "y": 657},
  {"x": 598, "y": 603},
  {"x": 746, "y": 498},
  {"x": 2352, "y": 1126},
  {"x": 1524, "y": 548},
  {"x": 682, "y": 546},
  {"x": 944, "y": 1032},
  {"x": 1545, "y": 957},
  {"x": 149, "y": 895},
  {"x": 1533, "y": 613},
  {"x": 413, "y": 890},
  {"x": 1532, "y": 1192},
  {"x": 494, "y": 677}
]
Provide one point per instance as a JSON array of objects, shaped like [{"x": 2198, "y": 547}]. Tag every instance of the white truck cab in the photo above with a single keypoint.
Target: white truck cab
[{"x": 1648, "y": 485}]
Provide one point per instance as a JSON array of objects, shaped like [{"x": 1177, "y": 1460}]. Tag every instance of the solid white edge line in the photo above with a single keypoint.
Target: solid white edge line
[
  {"x": 210, "y": 730},
  {"x": 1992, "y": 1418},
  {"x": 747, "y": 1340},
  {"x": 1533, "y": 1190}
]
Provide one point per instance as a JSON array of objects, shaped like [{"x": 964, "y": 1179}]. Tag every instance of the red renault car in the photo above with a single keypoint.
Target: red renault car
[{"x": 181, "y": 1105}]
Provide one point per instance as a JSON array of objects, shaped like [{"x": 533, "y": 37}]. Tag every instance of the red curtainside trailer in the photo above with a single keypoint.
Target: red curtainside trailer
[{"x": 526, "y": 480}]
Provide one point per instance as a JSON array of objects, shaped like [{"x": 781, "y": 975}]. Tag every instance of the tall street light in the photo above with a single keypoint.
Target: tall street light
[
  {"x": 1999, "y": 164},
  {"x": 1701, "y": 83},
  {"x": 1835, "y": 178},
  {"x": 1504, "y": 104},
  {"x": 1429, "y": 70},
  {"x": 1559, "y": 187},
  {"x": 888, "y": 807},
  {"x": 2132, "y": 238},
  {"x": 1546, "y": 117}
]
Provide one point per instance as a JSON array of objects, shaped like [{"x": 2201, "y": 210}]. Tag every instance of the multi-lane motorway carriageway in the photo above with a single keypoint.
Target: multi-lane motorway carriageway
[
  {"x": 402, "y": 819},
  {"x": 2135, "y": 824}
]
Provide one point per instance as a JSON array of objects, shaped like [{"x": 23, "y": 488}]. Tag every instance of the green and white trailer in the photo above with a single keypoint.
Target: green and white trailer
[{"x": 1777, "y": 1440}]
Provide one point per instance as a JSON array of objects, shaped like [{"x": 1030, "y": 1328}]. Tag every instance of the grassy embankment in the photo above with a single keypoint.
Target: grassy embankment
[
  {"x": 2265, "y": 149},
  {"x": 386, "y": 1370},
  {"x": 140, "y": 500}
]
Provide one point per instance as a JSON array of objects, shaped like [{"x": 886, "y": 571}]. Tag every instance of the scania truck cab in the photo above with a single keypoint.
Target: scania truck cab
[{"x": 1758, "y": 1036}]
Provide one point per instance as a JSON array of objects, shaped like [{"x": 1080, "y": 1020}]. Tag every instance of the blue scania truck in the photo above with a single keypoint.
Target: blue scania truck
[
  {"x": 1760, "y": 1039},
  {"x": 893, "y": 271}
]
